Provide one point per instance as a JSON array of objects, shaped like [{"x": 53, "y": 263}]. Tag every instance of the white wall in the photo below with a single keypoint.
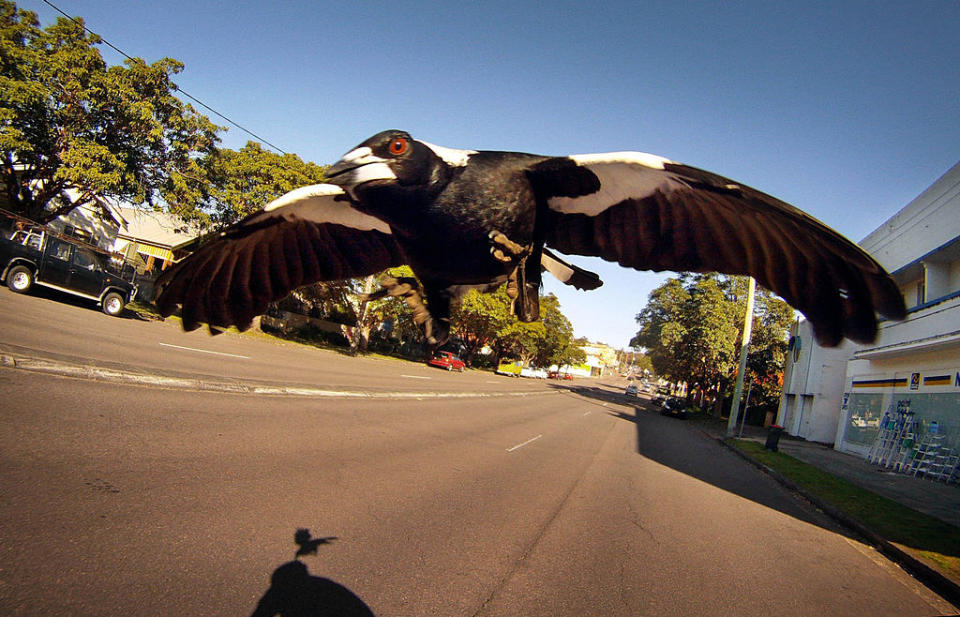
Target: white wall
[
  {"x": 89, "y": 219},
  {"x": 813, "y": 387},
  {"x": 922, "y": 236},
  {"x": 926, "y": 223}
]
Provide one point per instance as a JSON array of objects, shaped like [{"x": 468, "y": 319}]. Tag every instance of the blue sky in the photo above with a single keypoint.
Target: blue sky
[{"x": 846, "y": 109}]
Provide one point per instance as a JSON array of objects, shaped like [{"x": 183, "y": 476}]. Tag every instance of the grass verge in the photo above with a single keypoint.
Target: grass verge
[
  {"x": 149, "y": 312},
  {"x": 924, "y": 536}
]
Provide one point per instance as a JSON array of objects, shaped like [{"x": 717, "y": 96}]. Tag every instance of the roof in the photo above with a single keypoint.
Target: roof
[{"x": 158, "y": 228}]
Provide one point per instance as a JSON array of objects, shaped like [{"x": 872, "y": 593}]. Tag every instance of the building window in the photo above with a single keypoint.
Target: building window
[{"x": 921, "y": 292}]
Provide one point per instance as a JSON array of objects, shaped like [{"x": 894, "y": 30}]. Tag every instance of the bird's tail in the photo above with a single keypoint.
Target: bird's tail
[{"x": 568, "y": 273}]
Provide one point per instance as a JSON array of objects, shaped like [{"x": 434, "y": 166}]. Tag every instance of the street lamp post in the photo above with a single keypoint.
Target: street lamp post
[{"x": 741, "y": 371}]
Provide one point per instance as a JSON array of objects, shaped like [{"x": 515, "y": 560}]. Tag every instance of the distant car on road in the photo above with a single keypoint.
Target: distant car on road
[
  {"x": 38, "y": 257},
  {"x": 559, "y": 375},
  {"x": 447, "y": 360},
  {"x": 632, "y": 390}
]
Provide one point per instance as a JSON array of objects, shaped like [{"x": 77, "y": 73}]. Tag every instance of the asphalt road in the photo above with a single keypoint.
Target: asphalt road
[
  {"x": 49, "y": 324},
  {"x": 131, "y": 500}
]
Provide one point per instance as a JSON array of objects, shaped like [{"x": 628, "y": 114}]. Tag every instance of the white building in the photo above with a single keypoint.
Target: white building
[
  {"x": 601, "y": 359},
  {"x": 96, "y": 221},
  {"x": 840, "y": 395}
]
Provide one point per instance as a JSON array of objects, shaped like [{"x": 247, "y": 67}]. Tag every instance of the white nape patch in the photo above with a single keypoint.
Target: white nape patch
[
  {"x": 623, "y": 175},
  {"x": 451, "y": 156},
  {"x": 317, "y": 203}
]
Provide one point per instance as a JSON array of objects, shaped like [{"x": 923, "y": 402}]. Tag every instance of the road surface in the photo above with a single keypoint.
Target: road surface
[{"x": 130, "y": 500}]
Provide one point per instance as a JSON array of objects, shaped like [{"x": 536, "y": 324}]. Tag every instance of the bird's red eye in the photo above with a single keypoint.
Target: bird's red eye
[{"x": 398, "y": 146}]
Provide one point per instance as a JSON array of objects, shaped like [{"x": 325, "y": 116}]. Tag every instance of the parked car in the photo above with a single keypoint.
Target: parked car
[
  {"x": 559, "y": 375},
  {"x": 37, "y": 257},
  {"x": 674, "y": 407},
  {"x": 510, "y": 368},
  {"x": 533, "y": 373},
  {"x": 632, "y": 390},
  {"x": 447, "y": 360}
]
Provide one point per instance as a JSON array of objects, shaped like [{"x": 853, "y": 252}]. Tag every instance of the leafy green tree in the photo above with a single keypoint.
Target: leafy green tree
[
  {"x": 238, "y": 182},
  {"x": 556, "y": 344},
  {"x": 637, "y": 359},
  {"x": 768, "y": 350},
  {"x": 478, "y": 319},
  {"x": 69, "y": 121},
  {"x": 692, "y": 326},
  {"x": 520, "y": 340},
  {"x": 484, "y": 320}
]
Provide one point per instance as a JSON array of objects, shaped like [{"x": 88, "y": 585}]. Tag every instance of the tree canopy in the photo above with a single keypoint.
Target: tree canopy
[
  {"x": 69, "y": 121},
  {"x": 73, "y": 129},
  {"x": 484, "y": 320},
  {"x": 691, "y": 330},
  {"x": 238, "y": 182}
]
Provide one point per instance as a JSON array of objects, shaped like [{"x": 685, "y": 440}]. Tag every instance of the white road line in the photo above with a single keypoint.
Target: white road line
[
  {"x": 416, "y": 377},
  {"x": 587, "y": 414},
  {"x": 520, "y": 445},
  {"x": 217, "y": 353}
]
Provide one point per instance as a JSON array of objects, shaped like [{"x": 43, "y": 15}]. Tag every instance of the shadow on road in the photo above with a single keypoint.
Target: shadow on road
[
  {"x": 63, "y": 297},
  {"x": 677, "y": 444},
  {"x": 294, "y": 592}
]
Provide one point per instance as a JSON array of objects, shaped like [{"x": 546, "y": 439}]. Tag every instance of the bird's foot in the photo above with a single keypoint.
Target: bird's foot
[
  {"x": 409, "y": 289},
  {"x": 436, "y": 332},
  {"x": 391, "y": 286},
  {"x": 504, "y": 249}
]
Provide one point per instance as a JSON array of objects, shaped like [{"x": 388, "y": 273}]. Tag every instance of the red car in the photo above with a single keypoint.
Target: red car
[{"x": 445, "y": 359}]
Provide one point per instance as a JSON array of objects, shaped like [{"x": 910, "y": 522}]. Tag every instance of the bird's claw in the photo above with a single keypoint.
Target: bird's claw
[{"x": 504, "y": 249}]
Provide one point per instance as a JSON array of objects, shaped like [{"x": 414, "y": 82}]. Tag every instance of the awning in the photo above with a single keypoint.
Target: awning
[{"x": 155, "y": 251}]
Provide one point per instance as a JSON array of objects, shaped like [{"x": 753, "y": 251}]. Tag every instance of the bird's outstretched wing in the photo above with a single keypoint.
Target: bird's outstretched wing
[
  {"x": 649, "y": 213},
  {"x": 308, "y": 235}
]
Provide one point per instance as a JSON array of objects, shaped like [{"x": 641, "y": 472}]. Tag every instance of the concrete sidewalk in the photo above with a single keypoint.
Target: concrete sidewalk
[
  {"x": 936, "y": 499},
  {"x": 930, "y": 497}
]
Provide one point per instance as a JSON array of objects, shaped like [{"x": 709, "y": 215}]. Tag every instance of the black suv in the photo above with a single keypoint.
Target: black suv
[{"x": 39, "y": 257}]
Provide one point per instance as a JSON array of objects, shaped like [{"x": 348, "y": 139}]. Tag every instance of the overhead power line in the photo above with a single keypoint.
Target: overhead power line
[{"x": 175, "y": 87}]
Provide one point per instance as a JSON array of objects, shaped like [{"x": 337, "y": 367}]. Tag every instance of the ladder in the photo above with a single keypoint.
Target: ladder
[{"x": 893, "y": 445}]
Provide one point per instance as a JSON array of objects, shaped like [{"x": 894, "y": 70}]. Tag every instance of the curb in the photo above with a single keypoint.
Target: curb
[
  {"x": 66, "y": 369},
  {"x": 946, "y": 588}
]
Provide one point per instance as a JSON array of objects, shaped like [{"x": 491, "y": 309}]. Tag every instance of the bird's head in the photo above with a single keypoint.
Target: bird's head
[{"x": 394, "y": 159}]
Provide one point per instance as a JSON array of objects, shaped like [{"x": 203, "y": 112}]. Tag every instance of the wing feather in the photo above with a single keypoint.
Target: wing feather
[
  {"x": 649, "y": 213},
  {"x": 306, "y": 236}
]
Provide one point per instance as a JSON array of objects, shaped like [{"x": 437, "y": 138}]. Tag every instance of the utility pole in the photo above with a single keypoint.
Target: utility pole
[{"x": 747, "y": 328}]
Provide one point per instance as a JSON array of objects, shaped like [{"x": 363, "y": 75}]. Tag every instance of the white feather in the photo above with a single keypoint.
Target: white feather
[
  {"x": 317, "y": 203},
  {"x": 560, "y": 271},
  {"x": 452, "y": 156},
  {"x": 622, "y": 175}
]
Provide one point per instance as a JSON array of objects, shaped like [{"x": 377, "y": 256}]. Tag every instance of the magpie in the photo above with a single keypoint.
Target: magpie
[{"x": 468, "y": 219}]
